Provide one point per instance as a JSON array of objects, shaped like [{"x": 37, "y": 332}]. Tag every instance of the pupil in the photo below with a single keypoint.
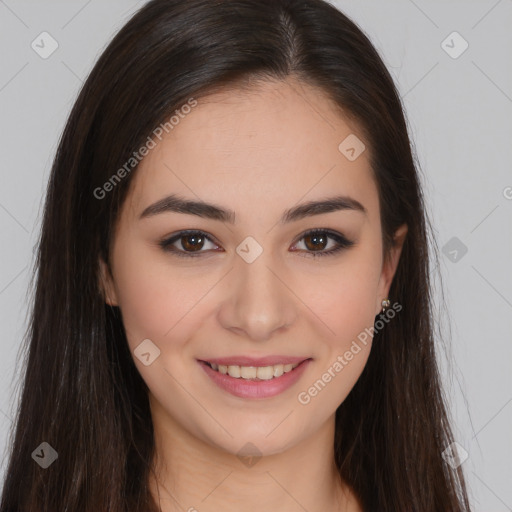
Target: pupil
[
  {"x": 194, "y": 239},
  {"x": 193, "y": 242},
  {"x": 316, "y": 238}
]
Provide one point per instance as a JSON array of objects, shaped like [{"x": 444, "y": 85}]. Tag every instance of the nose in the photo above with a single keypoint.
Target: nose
[{"x": 259, "y": 301}]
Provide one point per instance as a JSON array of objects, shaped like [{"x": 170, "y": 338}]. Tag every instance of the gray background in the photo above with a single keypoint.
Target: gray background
[{"x": 460, "y": 115}]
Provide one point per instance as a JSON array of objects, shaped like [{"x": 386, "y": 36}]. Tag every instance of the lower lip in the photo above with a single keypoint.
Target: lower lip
[{"x": 256, "y": 388}]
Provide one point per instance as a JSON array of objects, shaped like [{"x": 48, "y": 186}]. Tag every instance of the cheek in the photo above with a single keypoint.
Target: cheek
[
  {"x": 155, "y": 301},
  {"x": 345, "y": 302},
  {"x": 345, "y": 298}
]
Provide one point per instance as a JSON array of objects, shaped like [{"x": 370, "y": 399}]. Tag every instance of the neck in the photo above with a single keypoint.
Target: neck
[{"x": 192, "y": 475}]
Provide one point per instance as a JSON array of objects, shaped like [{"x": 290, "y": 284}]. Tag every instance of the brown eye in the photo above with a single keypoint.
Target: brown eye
[
  {"x": 192, "y": 242},
  {"x": 316, "y": 241},
  {"x": 187, "y": 243}
]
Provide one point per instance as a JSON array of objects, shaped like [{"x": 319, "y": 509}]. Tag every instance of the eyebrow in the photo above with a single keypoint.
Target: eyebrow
[{"x": 176, "y": 204}]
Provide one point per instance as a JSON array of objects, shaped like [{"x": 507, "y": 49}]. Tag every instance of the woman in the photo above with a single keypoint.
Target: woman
[{"x": 233, "y": 307}]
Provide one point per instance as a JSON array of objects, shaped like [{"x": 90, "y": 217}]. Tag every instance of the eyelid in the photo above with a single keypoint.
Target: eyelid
[
  {"x": 166, "y": 243},
  {"x": 340, "y": 239}
]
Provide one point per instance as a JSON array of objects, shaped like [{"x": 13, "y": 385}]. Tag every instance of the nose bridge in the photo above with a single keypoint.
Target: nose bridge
[
  {"x": 260, "y": 302},
  {"x": 256, "y": 281}
]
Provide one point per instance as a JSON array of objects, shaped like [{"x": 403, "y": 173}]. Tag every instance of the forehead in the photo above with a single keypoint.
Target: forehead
[{"x": 274, "y": 144}]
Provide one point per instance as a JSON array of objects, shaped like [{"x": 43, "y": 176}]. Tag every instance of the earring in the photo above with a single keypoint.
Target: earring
[{"x": 385, "y": 304}]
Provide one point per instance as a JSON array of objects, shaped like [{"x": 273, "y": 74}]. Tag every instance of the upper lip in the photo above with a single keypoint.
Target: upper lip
[{"x": 255, "y": 361}]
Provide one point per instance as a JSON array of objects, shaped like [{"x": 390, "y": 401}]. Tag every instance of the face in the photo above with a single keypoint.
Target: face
[{"x": 255, "y": 293}]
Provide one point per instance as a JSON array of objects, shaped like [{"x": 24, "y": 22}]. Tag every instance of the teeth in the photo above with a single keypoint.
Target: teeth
[
  {"x": 234, "y": 371},
  {"x": 278, "y": 370},
  {"x": 265, "y": 373},
  {"x": 253, "y": 372},
  {"x": 246, "y": 372}
]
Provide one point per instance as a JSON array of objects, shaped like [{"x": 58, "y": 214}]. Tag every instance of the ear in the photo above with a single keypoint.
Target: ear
[
  {"x": 106, "y": 284},
  {"x": 389, "y": 267}
]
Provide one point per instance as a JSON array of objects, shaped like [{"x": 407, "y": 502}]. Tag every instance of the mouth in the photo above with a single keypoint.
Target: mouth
[
  {"x": 253, "y": 373},
  {"x": 255, "y": 378}
]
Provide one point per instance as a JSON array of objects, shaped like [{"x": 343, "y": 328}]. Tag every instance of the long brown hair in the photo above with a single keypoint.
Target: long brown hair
[{"x": 82, "y": 393}]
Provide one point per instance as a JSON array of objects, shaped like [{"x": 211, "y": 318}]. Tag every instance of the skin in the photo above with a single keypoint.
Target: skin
[{"x": 258, "y": 152}]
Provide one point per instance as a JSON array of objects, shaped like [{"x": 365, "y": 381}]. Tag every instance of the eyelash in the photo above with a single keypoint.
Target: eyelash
[{"x": 343, "y": 243}]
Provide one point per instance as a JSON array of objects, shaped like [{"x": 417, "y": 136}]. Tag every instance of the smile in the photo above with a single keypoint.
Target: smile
[
  {"x": 255, "y": 381},
  {"x": 254, "y": 372}
]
